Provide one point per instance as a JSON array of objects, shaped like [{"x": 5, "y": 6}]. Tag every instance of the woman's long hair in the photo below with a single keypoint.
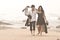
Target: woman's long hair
[{"x": 41, "y": 9}]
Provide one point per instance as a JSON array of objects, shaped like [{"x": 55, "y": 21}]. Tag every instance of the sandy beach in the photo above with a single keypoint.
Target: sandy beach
[
  {"x": 13, "y": 19},
  {"x": 24, "y": 34}
]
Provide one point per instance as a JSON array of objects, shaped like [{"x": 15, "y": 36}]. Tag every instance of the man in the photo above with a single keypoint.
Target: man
[
  {"x": 27, "y": 14},
  {"x": 32, "y": 12}
]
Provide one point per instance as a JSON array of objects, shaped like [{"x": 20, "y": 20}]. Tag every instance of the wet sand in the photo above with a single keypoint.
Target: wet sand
[{"x": 24, "y": 34}]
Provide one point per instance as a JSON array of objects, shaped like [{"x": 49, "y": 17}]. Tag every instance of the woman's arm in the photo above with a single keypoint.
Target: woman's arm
[{"x": 44, "y": 16}]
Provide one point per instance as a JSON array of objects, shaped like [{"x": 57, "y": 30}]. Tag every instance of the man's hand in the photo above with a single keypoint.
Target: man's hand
[{"x": 22, "y": 10}]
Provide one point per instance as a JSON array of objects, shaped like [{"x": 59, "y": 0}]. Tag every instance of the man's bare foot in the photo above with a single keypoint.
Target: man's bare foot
[
  {"x": 38, "y": 33},
  {"x": 33, "y": 33}
]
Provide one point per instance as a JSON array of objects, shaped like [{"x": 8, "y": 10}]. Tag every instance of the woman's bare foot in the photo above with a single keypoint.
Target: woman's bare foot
[{"x": 40, "y": 34}]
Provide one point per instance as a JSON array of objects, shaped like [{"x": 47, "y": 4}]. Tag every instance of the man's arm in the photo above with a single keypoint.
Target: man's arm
[{"x": 25, "y": 8}]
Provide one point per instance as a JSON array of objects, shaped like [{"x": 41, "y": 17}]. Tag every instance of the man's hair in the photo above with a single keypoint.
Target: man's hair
[{"x": 32, "y": 6}]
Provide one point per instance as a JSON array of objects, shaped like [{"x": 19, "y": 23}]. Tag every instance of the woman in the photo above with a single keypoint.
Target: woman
[{"x": 41, "y": 20}]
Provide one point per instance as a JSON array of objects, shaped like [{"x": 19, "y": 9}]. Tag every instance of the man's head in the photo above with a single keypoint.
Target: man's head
[{"x": 33, "y": 7}]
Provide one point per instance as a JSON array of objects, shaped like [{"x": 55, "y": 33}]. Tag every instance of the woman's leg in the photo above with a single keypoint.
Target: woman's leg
[
  {"x": 41, "y": 30},
  {"x": 38, "y": 29}
]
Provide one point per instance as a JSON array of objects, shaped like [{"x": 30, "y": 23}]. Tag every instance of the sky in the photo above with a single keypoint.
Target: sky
[{"x": 12, "y": 9}]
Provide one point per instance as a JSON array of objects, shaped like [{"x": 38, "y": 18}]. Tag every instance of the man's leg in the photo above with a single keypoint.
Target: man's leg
[
  {"x": 27, "y": 22},
  {"x": 31, "y": 27},
  {"x": 34, "y": 25}
]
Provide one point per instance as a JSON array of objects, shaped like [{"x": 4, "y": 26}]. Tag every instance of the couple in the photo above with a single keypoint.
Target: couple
[{"x": 32, "y": 19}]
